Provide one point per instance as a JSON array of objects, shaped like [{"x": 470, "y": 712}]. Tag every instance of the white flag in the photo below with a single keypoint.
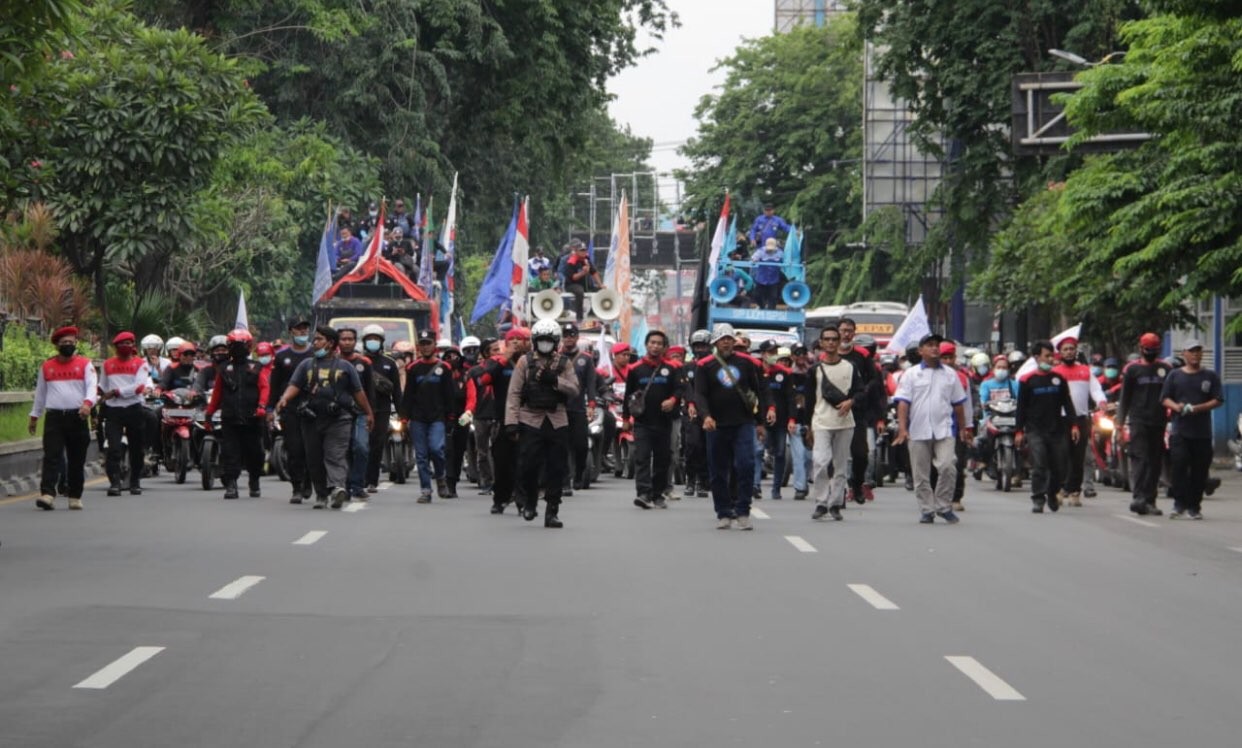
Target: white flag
[
  {"x": 1072, "y": 332},
  {"x": 912, "y": 329},
  {"x": 242, "y": 323}
]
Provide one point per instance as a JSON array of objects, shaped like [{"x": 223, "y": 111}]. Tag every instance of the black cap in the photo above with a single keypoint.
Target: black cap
[
  {"x": 426, "y": 336},
  {"x": 799, "y": 349},
  {"x": 297, "y": 322},
  {"x": 569, "y": 329},
  {"x": 768, "y": 345},
  {"x": 931, "y": 337}
]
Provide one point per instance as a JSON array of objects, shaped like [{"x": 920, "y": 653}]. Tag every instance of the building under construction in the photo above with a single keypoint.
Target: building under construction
[{"x": 793, "y": 13}]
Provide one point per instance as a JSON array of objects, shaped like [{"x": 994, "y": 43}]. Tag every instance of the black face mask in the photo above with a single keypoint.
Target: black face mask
[
  {"x": 220, "y": 358},
  {"x": 239, "y": 351},
  {"x": 67, "y": 349},
  {"x": 1149, "y": 354}
]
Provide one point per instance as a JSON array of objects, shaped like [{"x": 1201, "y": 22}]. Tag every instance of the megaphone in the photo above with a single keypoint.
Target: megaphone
[
  {"x": 796, "y": 294},
  {"x": 724, "y": 290},
  {"x": 547, "y": 305},
  {"x": 606, "y": 304}
]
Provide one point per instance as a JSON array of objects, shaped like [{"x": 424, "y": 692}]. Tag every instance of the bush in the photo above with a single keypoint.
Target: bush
[{"x": 23, "y": 355}]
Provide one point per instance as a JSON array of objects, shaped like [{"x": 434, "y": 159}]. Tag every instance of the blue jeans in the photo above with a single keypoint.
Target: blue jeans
[
  {"x": 359, "y": 451},
  {"x": 731, "y": 454},
  {"x": 428, "y": 441},
  {"x": 775, "y": 444},
  {"x": 801, "y": 457}
]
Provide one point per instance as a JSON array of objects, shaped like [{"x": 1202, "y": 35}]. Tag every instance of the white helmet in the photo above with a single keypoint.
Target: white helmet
[
  {"x": 373, "y": 329},
  {"x": 172, "y": 345},
  {"x": 470, "y": 341},
  {"x": 443, "y": 344},
  {"x": 152, "y": 341},
  {"x": 546, "y": 328}
]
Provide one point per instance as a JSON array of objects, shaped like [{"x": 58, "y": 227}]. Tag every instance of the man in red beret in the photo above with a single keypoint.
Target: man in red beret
[
  {"x": 65, "y": 393},
  {"x": 125, "y": 377},
  {"x": 1142, "y": 405}
]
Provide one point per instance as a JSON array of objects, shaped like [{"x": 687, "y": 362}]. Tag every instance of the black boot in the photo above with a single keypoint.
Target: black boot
[
  {"x": 230, "y": 489},
  {"x": 529, "y": 512},
  {"x": 135, "y": 488},
  {"x": 115, "y": 488},
  {"x": 254, "y": 488},
  {"x": 551, "y": 520}
]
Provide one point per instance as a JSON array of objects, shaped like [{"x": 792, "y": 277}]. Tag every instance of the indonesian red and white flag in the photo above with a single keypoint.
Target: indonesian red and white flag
[
  {"x": 521, "y": 255},
  {"x": 718, "y": 240}
]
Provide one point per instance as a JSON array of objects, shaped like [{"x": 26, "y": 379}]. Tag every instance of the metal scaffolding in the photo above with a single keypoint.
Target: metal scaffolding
[{"x": 794, "y": 13}]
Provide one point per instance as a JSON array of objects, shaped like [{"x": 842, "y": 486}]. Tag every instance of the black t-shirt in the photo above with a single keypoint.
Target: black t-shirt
[
  {"x": 284, "y": 364},
  {"x": 1141, "y": 385},
  {"x": 328, "y": 379},
  {"x": 718, "y": 394},
  {"x": 664, "y": 379},
  {"x": 1195, "y": 388},
  {"x": 1044, "y": 404}
]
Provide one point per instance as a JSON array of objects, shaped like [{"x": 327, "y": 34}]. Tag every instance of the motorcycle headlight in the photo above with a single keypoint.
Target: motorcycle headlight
[
  {"x": 395, "y": 424},
  {"x": 1106, "y": 424}
]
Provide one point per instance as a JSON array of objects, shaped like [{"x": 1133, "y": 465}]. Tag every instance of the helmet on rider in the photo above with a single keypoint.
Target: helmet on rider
[
  {"x": 700, "y": 336},
  {"x": 469, "y": 341},
  {"x": 172, "y": 345},
  {"x": 980, "y": 363},
  {"x": 1016, "y": 358},
  {"x": 264, "y": 349},
  {"x": 238, "y": 336},
  {"x": 443, "y": 344},
  {"x": 217, "y": 341},
  {"x": 545, "y": 335},
  {"x": 152, "y": 341}
]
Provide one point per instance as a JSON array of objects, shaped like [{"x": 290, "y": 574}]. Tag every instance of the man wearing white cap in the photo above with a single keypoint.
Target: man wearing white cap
[{"x": 732, "y": 401}]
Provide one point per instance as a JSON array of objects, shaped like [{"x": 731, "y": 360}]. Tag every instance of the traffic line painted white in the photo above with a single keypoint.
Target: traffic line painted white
[
  {"x": 1236, "y": 548},
  {"x": 800, "y": 544},
  {"x": 384, "y": 486},
  {"x": 120, "y": 668},
  {"x": 355, "y": 506},
  {"x": 234, "y": 590},
  {"x": 868, "y": 593},
  {"x": 1136, "y": 520},
  {"x": 759, "y": 513},
  {"x": 990, "y": 682},
  {"x": 310, "y": 538}
]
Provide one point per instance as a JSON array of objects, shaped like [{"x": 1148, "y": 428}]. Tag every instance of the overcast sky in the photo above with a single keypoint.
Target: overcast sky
[{"x": 657, "y": 97}]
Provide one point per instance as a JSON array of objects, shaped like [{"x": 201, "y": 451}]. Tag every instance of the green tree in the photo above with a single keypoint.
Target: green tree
[{"x": 785, "y": 128}]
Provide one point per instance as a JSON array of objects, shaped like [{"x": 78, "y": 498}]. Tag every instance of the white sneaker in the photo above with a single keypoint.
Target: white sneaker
[
  {"x": 743, "y": 523},
  {"x": 75, "y": 503},
  {"x": 724, "y": 523},
  {"x": 46, "y": 503}
]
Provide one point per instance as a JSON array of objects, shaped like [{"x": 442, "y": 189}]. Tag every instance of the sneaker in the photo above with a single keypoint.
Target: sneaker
[
  {"x": 135, "y": 489},
  {"x": 957, "y": 507},
  {"x": 339, "y": 496},
  {"x": 1054, "y": 502},
  {"x": 1075, "y": 499},
  {"x": 425, "y": 497},
  {"x": 820, "y": 511},
  {"x": 859, "y": 497},
  {"x": 321, "y": 502},
  {"x": 498, "y": 509},
  {"x": 1177, "y": 514},
  {"x": 529, "y": 513},
  {"x": 1154, "y": 511},
  {"x": 835, "y": 513},
  {"x": 800, "y": 495},
  {"x": 868, "y": 493},
  {"x": 909, "y": 483},
  {"x": 361, "y": 497},
  {"x": 724, "y": 523},
  {"x": 1037, "y": 509},
  {"x": 75, "y": 504},
  {"x": 46, "y": 503},
  {"x": 702, "y": 493},
  {"x": 567, "y": 492},
  {"x": 1089, "y": 493},
  {"x": 485, "y": 490},
  {"x": 744, "y": 523},
  {"x": 927, "y": 518},
  {"x": 642, "y": 502},
  {"x": 296, "y": 498},
  {"x": 757, "y": 494},
  {"x": 254, "y": 490},
  {"x": 114, "y": 489},
  {"x": 660, "y": 503},
  {"x": 1195, "y": 514},
  {"x": 776, "y": 497},
  {"x": 230, "y": 490},
  {"x": 950, "y": 517},
  {"x": 1139, "y": 507},
  {"x": 372, "y": 488},
  {"x": 689, "y": 492}
]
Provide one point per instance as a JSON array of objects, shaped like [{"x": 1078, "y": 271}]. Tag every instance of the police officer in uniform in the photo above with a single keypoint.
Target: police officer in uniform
[
  {"x": 543, "y": 382},
  {"x": 386, "y": 378},
  {"x": 240, "y": 393},
  {"x": 287, "y": 361},
  {"x": 581, "y": 409}
]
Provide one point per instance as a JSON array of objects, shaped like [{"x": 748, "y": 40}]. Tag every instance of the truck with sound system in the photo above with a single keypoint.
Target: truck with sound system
[{"x": 786, "y": 324}]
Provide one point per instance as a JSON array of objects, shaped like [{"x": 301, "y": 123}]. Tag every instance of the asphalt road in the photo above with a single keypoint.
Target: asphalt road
[{"x": 177, "y": 618}]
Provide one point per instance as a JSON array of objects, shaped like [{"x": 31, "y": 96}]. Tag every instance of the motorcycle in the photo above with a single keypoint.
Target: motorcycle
[
  {"x": 176, "y": 437},
  {"x": 398, "y": 451},
  {"x": 1235, "y": 444},
  {"x": 595, "y": 441},
  {"x": 1107, "y": 449},
  {"x": 1002, "y": 425},
  {"x": 208, "y": 449},
  {"x": 277, "y": 458},
  {"x": 623, "y": 449}
]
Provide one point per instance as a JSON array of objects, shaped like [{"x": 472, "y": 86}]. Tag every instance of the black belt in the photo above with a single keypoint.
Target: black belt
[{"x": 60, "y": 412}]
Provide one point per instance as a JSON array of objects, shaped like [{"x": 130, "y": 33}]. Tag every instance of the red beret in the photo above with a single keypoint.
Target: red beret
[
  {"x": 947, "y": 348},
  {"x": 123, "y": 337},
  {"x": 1149, "y": 340},
  {"x": 517, "y": 333},
  {"x": 620, "y": 348},
  {"x": 676, "y": 349},
  {"x": 62, "y": 332}
]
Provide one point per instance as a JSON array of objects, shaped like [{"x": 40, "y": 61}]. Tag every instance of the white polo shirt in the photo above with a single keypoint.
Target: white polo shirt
[{"x": 932, "y": 393}]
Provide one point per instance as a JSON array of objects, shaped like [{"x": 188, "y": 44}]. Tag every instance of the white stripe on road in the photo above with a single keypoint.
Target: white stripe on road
[
  {"x": 800, "y": 544},
  {"x": 234, "y": 590},
  {"x": 355, "y": 506},
  {"x": 1136, "y": 520},
  {"x": 1236, "y": 548},
  {"x": 987, "y": 680},
  {"x": 878, "y": 601},
  {"x": 384, "y": 486},
  {"x": 759, "y": 513},
  {"x": 310, "y": 538},
  {"x": 120, "y": 668}
]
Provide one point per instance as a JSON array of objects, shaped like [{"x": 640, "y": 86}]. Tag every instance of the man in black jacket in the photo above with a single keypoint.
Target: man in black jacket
[
  {"x": 425, "y": 405},
  {"x": 1142, "y": 406},
  {"x": 387, "y": 382},
  {"x": 859, "y": 452},
  {"x": 1046, "y": 422},
  {"x": 693, "y": 439},
  {"x": 581, "y": 408},
  {"x": 286, "y": 362},
  {"x": 651, "y": 385},
  {"x": 732, "y": 399}
]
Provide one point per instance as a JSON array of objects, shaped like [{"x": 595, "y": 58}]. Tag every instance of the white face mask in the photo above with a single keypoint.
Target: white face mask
[{"x": 545, "y": 346}]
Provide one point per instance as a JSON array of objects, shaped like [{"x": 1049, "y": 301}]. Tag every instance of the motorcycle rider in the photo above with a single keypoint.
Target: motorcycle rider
[
  {"x": 648, "y": 409},
  {"x": 124, "y": 379},
  {"x": 287, "y": 361},
  {"x": 543, "y": 381},
  {"x": 425, "y": 405},
  {"x": 1000, "y": 386},
  {"x": 1142, "y": 406},
  {"x": 218, "y": 350},
  {"x": 180, "y": 374},
  {"x": 240, "y": 393},
  {"x": 1045, "y": 409},
  {"x": 153, "y": 350},
  {"x": 693, "y": 440},
  {"x": 387, "y": 382},
  {"x": 580, "y": 408},
  {"x": 1110, "y": 379}
]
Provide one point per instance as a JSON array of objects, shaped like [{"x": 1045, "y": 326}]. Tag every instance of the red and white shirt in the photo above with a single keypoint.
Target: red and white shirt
[
  {"x": 65, "y": 385},
  {"x": 129, "y": 376},
  {"x": 1081, "y": 386}
]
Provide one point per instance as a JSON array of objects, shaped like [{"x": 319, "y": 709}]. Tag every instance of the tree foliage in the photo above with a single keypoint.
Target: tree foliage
[{"x": 786, "y": 128}]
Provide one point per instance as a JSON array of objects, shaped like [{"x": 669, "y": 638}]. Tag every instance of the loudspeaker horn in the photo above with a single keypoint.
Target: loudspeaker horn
[
  {"x": 606, "y": 304},
  {"x": 796, "y": 294},
  {"x": 547, "y": 305},
  {"x": 724, "y": 290}
]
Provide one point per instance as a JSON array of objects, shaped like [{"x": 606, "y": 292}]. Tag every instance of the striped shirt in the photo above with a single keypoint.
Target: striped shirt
[{"x": 65, "y": 385}]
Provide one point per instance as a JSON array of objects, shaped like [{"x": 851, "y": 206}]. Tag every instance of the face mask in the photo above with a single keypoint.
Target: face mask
[
  {"x": 265, "y": 360},
  {"x": 68, "y": 349},
  {"x": 374, "y": 213},
  {"x": 125, "y": 350},
  {"x": 1150, "y": 354},
  {"x": 983, "y": 370},
  {"x": 1111, "y": 373},
  {"x": 373, "y": 346},
  {"x": 1045, "y": 366},
  {"x": 301, "y": 339},
  {"x": 1095, "y": 371},
  {"x": 321, "y": 353},
  {"x": 220, "y": 358},
  {"x": 545, "y": 346},
  {"x": 1000, "y": 375},
  {"x": 905, "y": 365}
]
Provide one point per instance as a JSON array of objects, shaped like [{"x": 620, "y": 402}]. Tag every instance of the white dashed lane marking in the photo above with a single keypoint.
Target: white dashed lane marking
[
  {"x": 878, "y": 601},
  {"x": 234, "y": 590},
  {"x": 759, "y": 513},
  {"x": 1136, "y": 520},
  {"x": 120, "y": 668},
  {"x": 800, "y": 544},
  {"x": 310, "y": 538},
  {"x": 990, "y": 682},
  {"x": 355, "y": 506}
]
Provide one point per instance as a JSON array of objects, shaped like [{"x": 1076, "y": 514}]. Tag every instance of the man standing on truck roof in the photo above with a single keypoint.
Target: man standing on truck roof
[{"x": 766, "y": 226}]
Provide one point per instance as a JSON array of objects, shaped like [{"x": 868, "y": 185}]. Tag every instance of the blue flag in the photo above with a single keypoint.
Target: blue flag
[
  {"x": 498, "y": 284},
  {"x": 326, "y": 261},
  {"x": 793, "y": 256}
]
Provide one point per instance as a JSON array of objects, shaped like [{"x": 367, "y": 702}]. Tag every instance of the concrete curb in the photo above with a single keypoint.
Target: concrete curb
[{"x": 28, "y": 483}]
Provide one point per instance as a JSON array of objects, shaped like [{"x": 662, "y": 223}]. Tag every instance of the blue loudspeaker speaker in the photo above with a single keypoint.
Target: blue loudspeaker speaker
[
  {"x": 724, "y": 290},
  {"x": 796, "y": 294}
]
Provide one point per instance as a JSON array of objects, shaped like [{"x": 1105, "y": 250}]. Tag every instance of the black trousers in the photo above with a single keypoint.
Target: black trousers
[
  {"x": 378, "y": 441},
  {"x": 66, "y": 437},
  {"x": 1189, "y": 463},
  {"x": 859, "y": 455},
  {"x": 1050, "y": 458},
  {"x": 504, "y": 457},
  {"x": 295, "y": 454},
  {"x": 694, "y": 447},
  {"x": 131, "y": 422},
  {"x": 653, "y": 451},
  {"x": 1078, "y": 455},
  {"x": 544, "y": 452},
  {"x": 577, "y": 447},
  {"x": 1146, "y": 456},
  {"x": 241, "y": 445},
  {"x": 456, "y": 443}
]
